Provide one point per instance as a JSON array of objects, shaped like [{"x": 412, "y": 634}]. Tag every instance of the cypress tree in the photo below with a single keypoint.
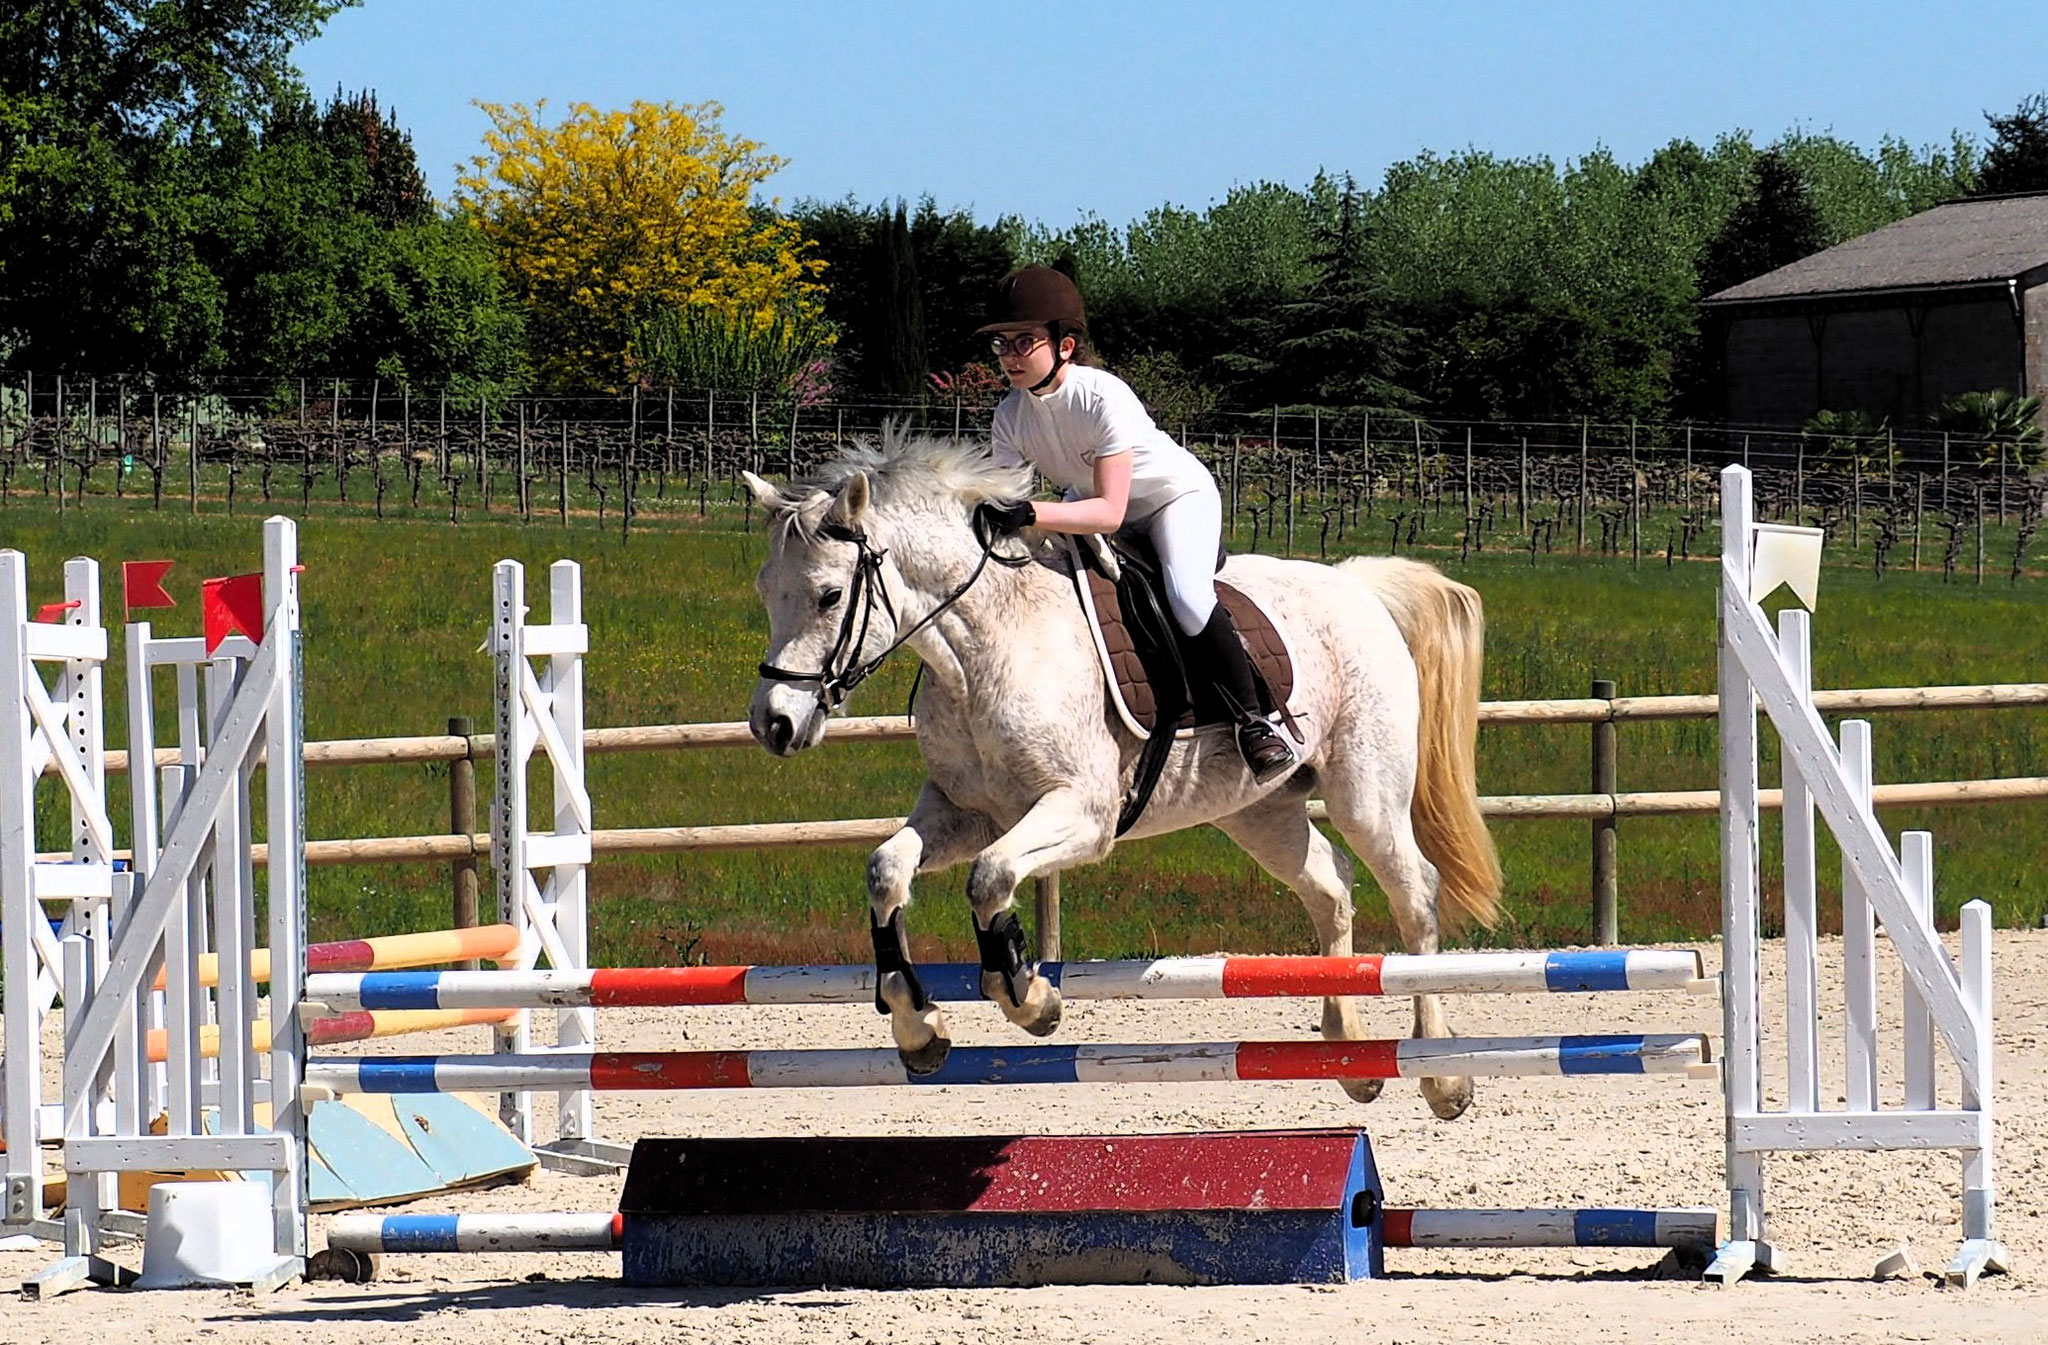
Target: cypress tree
[{"x": 898, "y": 351}]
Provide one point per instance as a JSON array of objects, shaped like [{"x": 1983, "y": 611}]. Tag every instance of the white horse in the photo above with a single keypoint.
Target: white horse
[{"x": 1027, "y": 761}]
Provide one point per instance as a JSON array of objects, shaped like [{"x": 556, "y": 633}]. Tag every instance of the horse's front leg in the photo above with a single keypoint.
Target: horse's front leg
[
  {"x": 937, "y": 835},
  {"x": 1065, "y": 827}
]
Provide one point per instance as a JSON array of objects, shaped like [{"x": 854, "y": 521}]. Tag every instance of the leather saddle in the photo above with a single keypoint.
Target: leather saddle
[{"x": 1155, "y": 693}]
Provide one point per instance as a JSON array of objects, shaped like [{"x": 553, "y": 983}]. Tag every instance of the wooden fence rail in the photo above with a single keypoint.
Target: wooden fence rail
[
  {"x": 463, "y": 851},
  {"x": 898, "y": 728}
]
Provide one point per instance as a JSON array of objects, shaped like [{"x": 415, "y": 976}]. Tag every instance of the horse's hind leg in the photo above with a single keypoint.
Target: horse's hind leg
[
  {"x": 1278, "y": 834},
  {"x": 937, "y": 835},
  {"x": 1375, "y": 822}
]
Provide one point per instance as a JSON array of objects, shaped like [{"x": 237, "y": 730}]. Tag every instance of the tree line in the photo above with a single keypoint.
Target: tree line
[{"x": 175, "y": 206}]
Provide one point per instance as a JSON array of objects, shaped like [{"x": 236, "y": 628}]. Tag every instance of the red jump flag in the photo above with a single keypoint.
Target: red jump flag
[
  {"x": 142, "y": 585},
  {"x": 52, "y": 613},
  {"x": 230, "y": 606}
]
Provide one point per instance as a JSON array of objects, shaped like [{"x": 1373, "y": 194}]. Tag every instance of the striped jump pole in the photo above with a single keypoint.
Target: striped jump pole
[
  {"x": 1695, "y": 1229},
  {"x": 1163, "y": 978},
  {"x": 1201, "y": 1062},
  {"x": 475, "y": 1232},
  {"x": 425, "y": 949},
  {"x": 362, "y": 1025}
]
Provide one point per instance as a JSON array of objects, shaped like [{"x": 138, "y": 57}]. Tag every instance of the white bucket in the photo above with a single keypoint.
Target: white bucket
[{"x": 207, "y": 1233}]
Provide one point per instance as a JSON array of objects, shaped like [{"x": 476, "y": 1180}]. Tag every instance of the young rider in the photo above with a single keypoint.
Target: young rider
[{"x": 1087, "y": 432}]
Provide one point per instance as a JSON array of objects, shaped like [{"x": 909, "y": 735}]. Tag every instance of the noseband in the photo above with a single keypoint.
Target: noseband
[{"x": 843, "y": 668}]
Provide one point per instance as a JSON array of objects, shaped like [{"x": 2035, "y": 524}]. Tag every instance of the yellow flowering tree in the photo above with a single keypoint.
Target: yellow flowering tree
[{"x": 604, "y": 217}]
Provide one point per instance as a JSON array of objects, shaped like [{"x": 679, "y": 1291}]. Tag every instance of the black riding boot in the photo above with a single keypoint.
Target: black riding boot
[{"x": 1266, "y": 753}]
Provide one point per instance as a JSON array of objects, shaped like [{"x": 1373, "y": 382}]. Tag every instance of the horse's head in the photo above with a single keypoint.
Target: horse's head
[
  {"x": 827, "y": 608},
  {"x": 839, "y": 591}
]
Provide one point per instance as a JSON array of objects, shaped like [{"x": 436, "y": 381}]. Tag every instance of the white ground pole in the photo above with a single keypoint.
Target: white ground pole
[
  {"x": 40, "y": 728},
  {"x": 1945, "y": 1000},
  {"x": 252, "y": 697},
  {"x": 542, "y": 875}
]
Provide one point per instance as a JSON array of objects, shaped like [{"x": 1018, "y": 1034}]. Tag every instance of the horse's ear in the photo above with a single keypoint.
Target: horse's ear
[
  {"x": 770, "y": 498},
  {"x": 852, "y": 504}
]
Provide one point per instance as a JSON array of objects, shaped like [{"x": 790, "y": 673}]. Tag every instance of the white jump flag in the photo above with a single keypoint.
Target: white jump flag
[{"x": 1786, "y": 555}]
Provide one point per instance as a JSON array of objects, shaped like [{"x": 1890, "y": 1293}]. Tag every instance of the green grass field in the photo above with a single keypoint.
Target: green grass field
[{"x": 395, "y": 610}]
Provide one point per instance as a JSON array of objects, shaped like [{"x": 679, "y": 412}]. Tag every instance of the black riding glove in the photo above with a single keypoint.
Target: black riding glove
[{"x": 1001, "y": 519}]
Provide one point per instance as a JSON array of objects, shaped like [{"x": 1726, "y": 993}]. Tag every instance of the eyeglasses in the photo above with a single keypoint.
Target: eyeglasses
[{"x": 1021, "y": 344}]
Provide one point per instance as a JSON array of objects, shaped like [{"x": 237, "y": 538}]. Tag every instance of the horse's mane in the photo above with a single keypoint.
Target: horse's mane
[{"x": 907, "y": 468}]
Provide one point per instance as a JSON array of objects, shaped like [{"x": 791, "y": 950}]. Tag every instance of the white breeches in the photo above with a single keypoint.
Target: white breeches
[{"x": 1187, "y": 533}]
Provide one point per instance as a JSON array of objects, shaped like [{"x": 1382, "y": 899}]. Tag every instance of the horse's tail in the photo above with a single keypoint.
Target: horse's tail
[{"x": 1445, "y": 628}]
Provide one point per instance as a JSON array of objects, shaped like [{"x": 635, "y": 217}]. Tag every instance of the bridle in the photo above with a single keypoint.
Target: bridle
[{"x": 843, "y": 669}]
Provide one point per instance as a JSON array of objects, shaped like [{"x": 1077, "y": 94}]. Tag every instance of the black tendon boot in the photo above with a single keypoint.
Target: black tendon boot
[{"x": 1266, "y": 753}]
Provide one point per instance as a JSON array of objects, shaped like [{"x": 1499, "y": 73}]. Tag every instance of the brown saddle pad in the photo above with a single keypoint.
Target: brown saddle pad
[{"x": 1130, "y": 683}]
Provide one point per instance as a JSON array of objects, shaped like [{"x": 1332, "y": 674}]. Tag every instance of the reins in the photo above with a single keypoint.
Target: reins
[{"x": 865, "y": 591}]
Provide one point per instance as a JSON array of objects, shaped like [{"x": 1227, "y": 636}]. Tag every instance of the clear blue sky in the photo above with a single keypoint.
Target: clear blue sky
[{"x": 1054, "y": 109}]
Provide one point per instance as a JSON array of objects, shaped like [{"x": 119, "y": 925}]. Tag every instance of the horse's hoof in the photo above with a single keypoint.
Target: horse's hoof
[
  {"x": 1047, "y": 1022},
  {"x": 1449, "y": 1099},
  {"x": 927, "y": 1059},
  {"x": 1363, "y": 1090}
]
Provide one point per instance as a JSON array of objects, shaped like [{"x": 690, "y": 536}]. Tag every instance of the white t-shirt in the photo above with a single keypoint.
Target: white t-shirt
[{"x": 1093, "y": 414}]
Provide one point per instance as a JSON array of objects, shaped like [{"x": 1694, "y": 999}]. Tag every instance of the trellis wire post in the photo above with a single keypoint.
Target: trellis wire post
[
  {"x": 524, "y": 483},
  {"x": 1919, "y": 516},
  {"x": 1236, "y": 452},
  {"x": 334, "y": 429},
  {"x": 1419, "y": 491},
  {"x": 1685, "y": 482},
  {"x": 1290, "y": 507},
  {"x": 1855, "y": 501},
  {"x": 1365, "y": 443},
  {"x": 1977, "y": 511},
  {"x": 92, "y": 447},
  {"x": 57, "y": 444},
  {"x": 1585, "y": 455},
  {"x": 1522, "y": 505},
  {"x": 1635, "y": 499},
  {"x": 1468, "y": 472}
]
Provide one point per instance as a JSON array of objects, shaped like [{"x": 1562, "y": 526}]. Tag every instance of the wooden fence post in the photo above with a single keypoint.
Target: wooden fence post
[
  {"x": 462, "y": 822},
  {"x": 1047, "y": 891},
  {"x": 1606, "y": 892}
]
